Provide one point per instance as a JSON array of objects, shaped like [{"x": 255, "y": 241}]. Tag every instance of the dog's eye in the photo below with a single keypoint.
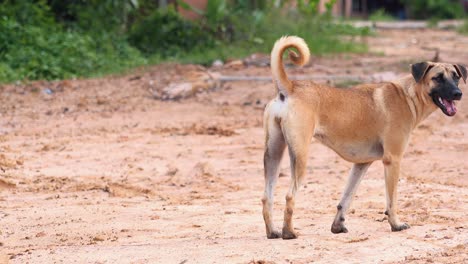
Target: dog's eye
[
  {"x": 438, "y": 78},
  {"x": 455, "y": 76}
]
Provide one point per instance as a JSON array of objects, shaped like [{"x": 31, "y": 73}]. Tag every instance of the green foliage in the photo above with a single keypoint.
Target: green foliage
[
  {"x": 104, "y": 15},
  {"x": 381, "y": 15},
  {"x": 434, "y": 9},
  {"x": 249, "y": 30},
  {"x": 57, "y": 39},
  {"x": 94, "y": 15},
  {"x": 216, "y": 12},
  {"x": 217, "y": 18},
  {"x": 26, "y": 12},
  {"x": 166, "y": 33},
  {"x": 321, "y": 34},
  {"x": 463, "y": 29},
  {"x": 38, "y": 48},
  {"x": 311, "y": 7},
  {"x": 308, "y": 7}
]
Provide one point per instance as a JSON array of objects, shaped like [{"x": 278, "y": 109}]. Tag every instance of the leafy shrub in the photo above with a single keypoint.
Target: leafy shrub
[
  {"x": 322, "y": 34},
  {"x": 57, "y": 39},
  {"x": 256, "y": 30},
  {"x": 27, "y": 12},
  {"x": 37, "y": 48},
  {"x": 434, "y": 9},
  {"x": 381, "y": 15},
  {"x": 166, "y": 33}
]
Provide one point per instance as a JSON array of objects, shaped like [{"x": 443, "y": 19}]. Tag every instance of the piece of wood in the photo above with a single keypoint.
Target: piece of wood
[{"x": 232, "y": 78}]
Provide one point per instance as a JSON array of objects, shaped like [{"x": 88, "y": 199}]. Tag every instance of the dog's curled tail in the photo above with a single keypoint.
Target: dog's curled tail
[{"x": 276, "y": 63}]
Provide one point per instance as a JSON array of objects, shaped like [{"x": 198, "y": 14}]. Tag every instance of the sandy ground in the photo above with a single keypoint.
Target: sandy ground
[{"x": 100, "y": 172}]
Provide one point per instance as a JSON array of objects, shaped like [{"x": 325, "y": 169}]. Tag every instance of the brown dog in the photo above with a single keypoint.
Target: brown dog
[{"x": 362, "y": 124}]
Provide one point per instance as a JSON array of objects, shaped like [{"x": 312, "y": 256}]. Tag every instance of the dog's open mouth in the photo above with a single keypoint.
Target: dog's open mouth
[{"x": 447, "y": 106}]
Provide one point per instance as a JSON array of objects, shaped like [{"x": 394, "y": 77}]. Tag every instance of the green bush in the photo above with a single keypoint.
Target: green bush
[
  {"x": 36, "y": 47},
  {"x": 27, "y": 12},
  {"x": 434, "y": 9},
  {"x": 381, "y": 15},
  {"x": 166, "y": 33},
  {"x": 56, "y": 39},
  {"x": 322, "y": 34}
]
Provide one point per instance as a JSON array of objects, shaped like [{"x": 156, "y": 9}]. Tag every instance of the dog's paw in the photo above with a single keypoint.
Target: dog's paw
[
  {"x": 400, "y": 227},
  {"x": 287, "y": 234},
  {"x": 338, "y": 228},
  {"x": 273, "y": 235}
]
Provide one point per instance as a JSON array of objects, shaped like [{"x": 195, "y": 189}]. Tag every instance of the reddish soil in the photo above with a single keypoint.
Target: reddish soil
[{"x": 100, "y": 172}]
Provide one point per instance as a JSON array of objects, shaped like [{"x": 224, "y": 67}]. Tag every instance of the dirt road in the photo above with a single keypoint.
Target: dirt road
[{"x": 98, "y": 171}]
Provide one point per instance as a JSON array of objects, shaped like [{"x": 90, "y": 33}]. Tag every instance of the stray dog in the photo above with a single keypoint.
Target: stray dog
[{"x": 362, "y": 124}]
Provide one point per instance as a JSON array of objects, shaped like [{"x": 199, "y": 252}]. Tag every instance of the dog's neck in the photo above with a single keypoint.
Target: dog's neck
[{"x": 419, "y": 102}]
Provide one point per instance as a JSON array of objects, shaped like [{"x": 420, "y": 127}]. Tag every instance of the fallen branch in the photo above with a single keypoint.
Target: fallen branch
[
  {"x": 227, "y": 78},
  {"x": 378, "y": 77}
]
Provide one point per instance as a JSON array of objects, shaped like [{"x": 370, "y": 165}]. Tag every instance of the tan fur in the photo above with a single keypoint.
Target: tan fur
[{"x": 362, "y": 124}]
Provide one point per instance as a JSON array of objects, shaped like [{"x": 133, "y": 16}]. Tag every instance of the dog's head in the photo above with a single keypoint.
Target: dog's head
[{"x": 440, "y": 82}]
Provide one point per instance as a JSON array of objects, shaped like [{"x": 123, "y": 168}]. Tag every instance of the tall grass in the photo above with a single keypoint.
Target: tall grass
[{"x": 323, "y": 35}]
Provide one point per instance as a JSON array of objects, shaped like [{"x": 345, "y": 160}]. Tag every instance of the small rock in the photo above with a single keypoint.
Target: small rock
[
  {"x": 235, "y": 64},
  {"x": 98, "y": 238},
  {"x": 257, "y": 59},
  {"x": 134, "y": 78},
  {"x": 178, "y": 91},
  {"x": 171, "y": 170},
  {"x": 381, "y": 219},
  {"x": 48, "y": 91},
  {"x": 40, "y": 234},
  {"x": 217, "y": 63},
  {"x": 155, "y": 217}
]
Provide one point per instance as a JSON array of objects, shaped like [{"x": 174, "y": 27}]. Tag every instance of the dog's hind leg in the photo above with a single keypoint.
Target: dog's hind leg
[
  {"x": 298, "y": 146},
  {"x": 274, "y": 149},
  {"x": 355, "y": 177}
]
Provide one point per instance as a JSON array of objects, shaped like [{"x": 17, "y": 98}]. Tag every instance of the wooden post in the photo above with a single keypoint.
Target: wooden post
[{"x": 348, "y": 8}]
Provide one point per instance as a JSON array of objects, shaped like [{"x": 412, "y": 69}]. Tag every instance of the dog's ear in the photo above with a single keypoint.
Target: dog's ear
[
  {"x": 419, "y": 70},
  {"x": 461, "y": 70}
]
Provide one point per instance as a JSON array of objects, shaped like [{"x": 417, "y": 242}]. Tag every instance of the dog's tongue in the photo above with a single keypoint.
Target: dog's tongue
[{"x": 450, "y": 106}]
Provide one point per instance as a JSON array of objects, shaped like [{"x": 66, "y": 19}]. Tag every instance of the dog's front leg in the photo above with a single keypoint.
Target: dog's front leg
[
  {"x": 392, "y": 173},
  {"x": 355, "y": 176}
]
